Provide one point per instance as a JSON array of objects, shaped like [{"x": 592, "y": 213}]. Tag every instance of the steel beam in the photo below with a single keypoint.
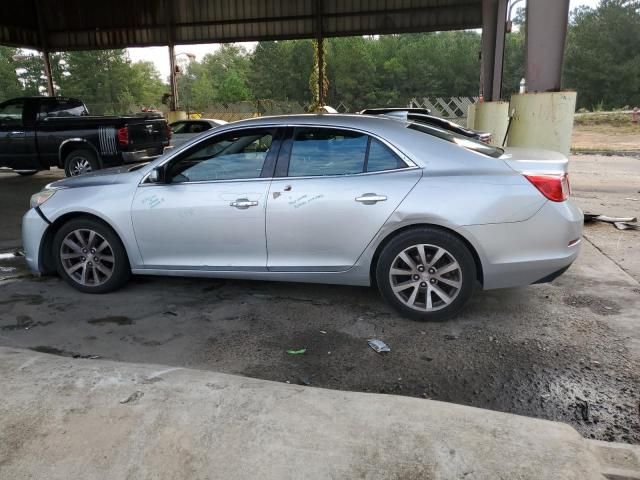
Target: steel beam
[
  {"x": 47, "y": 73},
  {"x": 494, "y": 21},
  {"x": 545, "y": 40},
  {"x": 320, "y": 41},
  {"x": 44, "y": 47}
]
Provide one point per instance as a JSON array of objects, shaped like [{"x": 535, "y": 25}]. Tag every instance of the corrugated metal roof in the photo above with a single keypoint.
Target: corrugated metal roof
[{"x": 96, "y": 24}]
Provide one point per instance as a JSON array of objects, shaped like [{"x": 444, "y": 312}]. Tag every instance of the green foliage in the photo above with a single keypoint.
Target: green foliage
[
  {"x": 106, "y": 80},
  {"x": 602, "y": 63},
  {"x": 603, "y": 54},
  {"x": 9, "y": 84}
]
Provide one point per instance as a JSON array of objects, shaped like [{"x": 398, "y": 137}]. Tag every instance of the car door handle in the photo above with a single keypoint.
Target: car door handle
[
  {"x": 243, "y": 203},
  {"x": 371, "y": 198}
]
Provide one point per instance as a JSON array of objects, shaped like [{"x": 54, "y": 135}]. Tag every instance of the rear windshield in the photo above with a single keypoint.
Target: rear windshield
[{"x": 466, "y": 142}]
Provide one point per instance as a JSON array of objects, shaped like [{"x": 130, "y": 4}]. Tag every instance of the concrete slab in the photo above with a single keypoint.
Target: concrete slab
[{"x": 64, "y": 419}]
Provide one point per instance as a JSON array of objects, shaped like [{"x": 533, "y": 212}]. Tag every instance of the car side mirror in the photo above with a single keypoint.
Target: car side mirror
[{"x": 157, "y": 175}]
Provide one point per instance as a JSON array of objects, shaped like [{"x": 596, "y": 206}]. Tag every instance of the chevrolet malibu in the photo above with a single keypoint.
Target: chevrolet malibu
[{"x": 423, "y": 214}]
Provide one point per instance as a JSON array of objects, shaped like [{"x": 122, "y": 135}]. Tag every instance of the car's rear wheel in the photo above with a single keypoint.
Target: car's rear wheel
[
  {"x": 79, "y": 162},
  {"x": 426, "y": 274},
  {"x": 90, "y": 256}
]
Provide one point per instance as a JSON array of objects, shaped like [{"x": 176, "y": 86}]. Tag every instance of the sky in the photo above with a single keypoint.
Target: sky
[{"x": 160, "y": 55}]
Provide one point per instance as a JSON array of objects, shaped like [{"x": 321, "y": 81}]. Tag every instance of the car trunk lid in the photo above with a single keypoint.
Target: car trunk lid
[{"x": 535, "y": 161}]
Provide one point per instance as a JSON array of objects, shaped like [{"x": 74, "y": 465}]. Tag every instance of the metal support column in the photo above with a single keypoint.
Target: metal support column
[
  {"x": 47, "y": 73},
  {"x": 494, "y": 20},
  {"x": 320, "y": 41},
  {"x": 42, "y": 37},
  {"x": 173, "y": 79},
  {"x": 545, "y": 40},
  {"x": 321, "y": 72}
]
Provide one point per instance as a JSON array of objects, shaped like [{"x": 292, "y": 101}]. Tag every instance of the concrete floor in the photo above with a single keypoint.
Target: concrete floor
[
  {"x": 125, "y": 420},
  {"x": 566, "y": 351}
]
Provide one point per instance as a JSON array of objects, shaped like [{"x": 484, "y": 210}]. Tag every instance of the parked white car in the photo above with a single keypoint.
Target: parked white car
[{"x": 184, "y": 130}]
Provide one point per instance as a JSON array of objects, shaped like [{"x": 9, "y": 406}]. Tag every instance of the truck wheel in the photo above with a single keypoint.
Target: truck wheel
[{"x": 79, "y": 162}]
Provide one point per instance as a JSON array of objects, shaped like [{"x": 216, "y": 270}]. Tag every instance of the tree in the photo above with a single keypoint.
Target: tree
[
  {"x": 9, "y": 84},
  {"x": 602, "y": 58}
]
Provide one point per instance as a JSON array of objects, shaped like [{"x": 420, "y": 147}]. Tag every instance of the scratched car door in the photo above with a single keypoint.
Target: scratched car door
[{"x": 340, "y": 187}]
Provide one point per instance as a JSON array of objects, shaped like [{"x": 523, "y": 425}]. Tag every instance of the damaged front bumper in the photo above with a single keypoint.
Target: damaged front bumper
[{"x": 34, "y": 227}]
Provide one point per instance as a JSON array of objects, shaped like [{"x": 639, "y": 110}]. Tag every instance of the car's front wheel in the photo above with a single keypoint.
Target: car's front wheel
[
  {"x": 426, "y": 274},
  {"x": 90, "y": 256}
]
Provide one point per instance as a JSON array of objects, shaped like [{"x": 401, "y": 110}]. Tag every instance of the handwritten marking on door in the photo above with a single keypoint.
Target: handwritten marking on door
[
  {"x": 304, "y": 200},
  {"x": 152, "y": 201}
]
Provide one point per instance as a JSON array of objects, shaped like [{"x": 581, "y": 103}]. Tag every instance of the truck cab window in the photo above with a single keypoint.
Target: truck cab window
[
  {"x": 11, "y": 114},
  {"x": 63, "y": 108}
]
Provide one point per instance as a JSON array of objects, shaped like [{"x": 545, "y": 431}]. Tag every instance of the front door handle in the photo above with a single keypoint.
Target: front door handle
[
  {"x": 243, "y": 203},
  {"x": 371, "y": 198}
]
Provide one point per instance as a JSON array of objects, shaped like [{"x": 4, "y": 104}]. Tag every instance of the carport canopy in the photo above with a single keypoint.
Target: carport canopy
[{"x": 49, "y": 25}]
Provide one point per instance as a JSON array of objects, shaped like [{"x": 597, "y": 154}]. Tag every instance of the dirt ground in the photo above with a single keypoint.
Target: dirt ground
[
  {"x": 606, "y": 138},
  {"x": 567, "y": 351}
]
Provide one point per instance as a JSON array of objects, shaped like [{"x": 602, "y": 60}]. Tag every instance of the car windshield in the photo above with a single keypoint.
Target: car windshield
[{"x": 466, "y": 142}]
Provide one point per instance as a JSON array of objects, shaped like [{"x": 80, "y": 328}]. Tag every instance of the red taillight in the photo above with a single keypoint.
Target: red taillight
[
  {"x": 555, "y": 187},
  {"x": 123, "y": 136}
]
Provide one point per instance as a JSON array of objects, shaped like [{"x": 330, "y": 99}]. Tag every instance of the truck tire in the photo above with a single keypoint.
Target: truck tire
[{"x": 80, "y": 161}]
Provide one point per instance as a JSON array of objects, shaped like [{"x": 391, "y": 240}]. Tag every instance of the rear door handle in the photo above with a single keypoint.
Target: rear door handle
[
  {"x": 371, "y": 198},
  {"x": 243, "y": 203}
]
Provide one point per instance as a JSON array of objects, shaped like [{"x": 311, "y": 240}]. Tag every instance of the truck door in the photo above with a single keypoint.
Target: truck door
[{"x": 18, "y": 136}]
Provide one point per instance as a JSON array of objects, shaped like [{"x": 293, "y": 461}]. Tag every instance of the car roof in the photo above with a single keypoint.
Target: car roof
[{"x": 371, "y": 123}]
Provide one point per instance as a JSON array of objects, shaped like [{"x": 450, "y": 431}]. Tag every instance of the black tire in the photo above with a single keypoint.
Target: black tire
[
  {"x": 80, "y": 161},
  {"x": 27, "y": 173},
  {"x": 455, "y": 249},
  {"x": 120, "y": 268}
]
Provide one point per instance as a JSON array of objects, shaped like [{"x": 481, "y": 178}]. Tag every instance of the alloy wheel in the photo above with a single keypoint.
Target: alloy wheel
[
  {"x": 79, "y": 166},
  {"x": 87, "y": 257},
  {"x": 425, "y": 277}
]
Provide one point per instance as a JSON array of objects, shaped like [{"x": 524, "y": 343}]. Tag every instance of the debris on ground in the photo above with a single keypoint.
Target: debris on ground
[
  {"x": 169, "y": 312},
  {"x": 596, "y": 217},
  {"x": 450, "y": 337},
  {"x": 633, "y": 199},
  {"x": 621, "y": 223},
  {"x": 378, "y": 345},
  {"x": 300, "y": 351},
  {"x": 323, "y": 332},
  {"x": 134, "y": 397},
  {"x": 626, "y": 226},
  {"x": 305, "y": 381},
  {"x": 583, "y": 408}
]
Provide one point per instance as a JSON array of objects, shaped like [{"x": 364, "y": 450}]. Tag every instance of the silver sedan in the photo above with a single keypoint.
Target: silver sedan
[{"x": 423, "y": 214}]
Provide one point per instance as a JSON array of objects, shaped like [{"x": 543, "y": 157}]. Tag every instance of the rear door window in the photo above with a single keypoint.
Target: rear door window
[
  {"x": 331, "y": 151},
  {"x": 327, "y": 151}
]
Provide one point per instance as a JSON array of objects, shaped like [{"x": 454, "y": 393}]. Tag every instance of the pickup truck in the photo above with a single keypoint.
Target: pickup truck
[{"x": 37, "y": 133}]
